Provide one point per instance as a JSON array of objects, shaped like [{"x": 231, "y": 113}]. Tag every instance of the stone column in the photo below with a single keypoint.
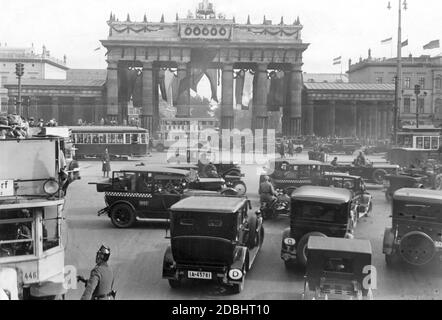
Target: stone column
[
  {"x": 359, "y": 115},
  {"x": 310, "y": 118},
  {"x": 54, "y": 108},
  {"x": 260, "y": 116},
  {"x": 389, "y": 116},
  {"x": 77, "y": 110},
  {"x": 383, "y": 124},
  {"x": 227, "y": 113},
  {"x": 364, "y": 122},
  {"x": 354, "y": 116},
  {"x": 292, "y": 125},
  {"x": 112, "y": 91},
  {"x": 332, "y": 118},
  {"x": 146, "y": 115},
  {"x": 183, "y": 109},
  {"x": 377, "y": 126}
]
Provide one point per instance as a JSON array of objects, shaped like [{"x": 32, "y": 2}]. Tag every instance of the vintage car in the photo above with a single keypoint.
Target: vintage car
[
  {"x": 362, "y": 200},
  {"x": 316, "y": 211},
  {"x": 337, "y": 269},
  {"x": 148, "y": 193},
  {"x": 232, "y": 177},
  {"x": 341, "y": 145},
  {"x": 392, "y": 183},
  {"x": 372, "y": 173},
  {"x": 212, "y": 239},
  {"x": 415, "y": 236},
  {"x": 288, "y": 175}
]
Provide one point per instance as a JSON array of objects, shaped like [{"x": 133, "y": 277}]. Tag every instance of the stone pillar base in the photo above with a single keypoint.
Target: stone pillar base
[
  {"x": 292, "y": 127},
  {"x": 227, "y": 122}
]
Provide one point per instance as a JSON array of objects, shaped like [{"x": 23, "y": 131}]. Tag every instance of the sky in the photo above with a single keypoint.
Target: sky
[{"x": 333, "y": 28}]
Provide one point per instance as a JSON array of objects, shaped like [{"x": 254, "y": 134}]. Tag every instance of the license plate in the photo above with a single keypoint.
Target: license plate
[
  {"x": 199, "y": 275},
  {"x": 438, "y": 244},
  {"x": 6, "y": 188}
]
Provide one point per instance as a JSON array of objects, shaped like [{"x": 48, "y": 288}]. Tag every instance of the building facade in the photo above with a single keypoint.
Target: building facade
[{"x": 425, "y": 71}]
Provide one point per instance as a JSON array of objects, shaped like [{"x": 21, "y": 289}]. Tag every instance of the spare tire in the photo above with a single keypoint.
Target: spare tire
[
  {"x": 301, "y": 250},
  {"x": 379, "y": 175},
  {"x": 417, "y": 248}
]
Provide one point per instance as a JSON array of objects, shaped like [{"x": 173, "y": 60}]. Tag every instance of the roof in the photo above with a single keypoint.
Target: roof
[
  {"x": 325, "y": 77},
  {"x": 322, "y": 194},
  {"x": 155, "y": 169},
  {"x": 350, "y": 86},
  {"x": 300, "y": 162},
  {"x": 209, "y": 204},
  {"x": 107, "y": 129},
  {"x": 58, "y": 83},
  {"x": 405, "y": 194},
  {"x": 340, "y": 244},
  {"x": 341, "y": 175}
]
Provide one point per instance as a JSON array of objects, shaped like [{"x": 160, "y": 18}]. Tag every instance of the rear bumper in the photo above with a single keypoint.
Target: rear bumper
[{"x": 181, "y": 272}]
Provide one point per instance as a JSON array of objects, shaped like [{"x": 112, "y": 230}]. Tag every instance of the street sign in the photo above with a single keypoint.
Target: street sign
[{"x": 6, "y": 188}]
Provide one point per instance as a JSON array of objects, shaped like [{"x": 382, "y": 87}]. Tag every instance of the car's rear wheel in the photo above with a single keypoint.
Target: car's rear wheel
[
  {"x": 379, "y": 175},
  {"x": 122, "y": 216},
  {"x": 240, "y": 187},
  {"x": 174, "y": 284},
  {"x": 302, "y": 247},
  {"x": 252, "y": 239}
]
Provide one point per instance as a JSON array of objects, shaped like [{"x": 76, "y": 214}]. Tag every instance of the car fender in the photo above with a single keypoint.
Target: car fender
[
  {"x": 388, "y": 244},
  {"x": 120, "y": 202},
  {"x": 286, "y": 234},
  {"x": 241, "y": 256},
  {"x": 169, "y": 268}
]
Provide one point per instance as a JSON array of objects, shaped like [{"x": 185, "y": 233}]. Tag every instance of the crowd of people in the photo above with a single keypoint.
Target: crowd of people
[{"x": 13, "y": 126}]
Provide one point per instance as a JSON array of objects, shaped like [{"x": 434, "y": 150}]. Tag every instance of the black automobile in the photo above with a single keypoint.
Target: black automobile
[
  {"x": 372, "y": 173},
  {"x": 316, "y": 211},
  {"x": 212, "y": 238},
  {"x": 342, "y": 145},
  {"x": 362, "y": 200},
  {"x": 338, "y": 269},
  {"x": 230, "y": 175},
  {"x": 148, "y": 193},
  {"x": 415, "y": 236},
  {"x": 392, "y": 183},
  {"x": 288, "y": 175}
]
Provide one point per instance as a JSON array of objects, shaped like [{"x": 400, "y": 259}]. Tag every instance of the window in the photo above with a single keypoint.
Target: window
[
  {"x": 102, "y": 138},
  {"x": 119, "y": 138},
  {"x": 124, "y": 181},
  {"x": 438, "y": 83},
  {"x": 80, "y": 138},
  {"x": 421, "y": 105},
  {"x": 407, "y": 83},
  {"x": 51, "y": 228},
  {"x": 379, "y": 80},
  {"x": 435, "y": 143},
  {"x": 95, "y": 139},
  {"x": 17, "y": 232},
  {"x": 407, "y": 105},
  {"x": 111, "y": 138},
  {"x": 422, "y": 82}
]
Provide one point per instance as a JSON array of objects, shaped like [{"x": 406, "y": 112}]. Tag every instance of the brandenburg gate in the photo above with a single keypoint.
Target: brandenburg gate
[{"x": 138, "y": 53}]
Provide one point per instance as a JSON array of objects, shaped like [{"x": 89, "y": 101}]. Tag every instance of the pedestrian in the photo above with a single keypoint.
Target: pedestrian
[
  {"x": 282, "y": 149},
  {"x": 106, "y": 168},
  {"x": 101, "y": 280}
]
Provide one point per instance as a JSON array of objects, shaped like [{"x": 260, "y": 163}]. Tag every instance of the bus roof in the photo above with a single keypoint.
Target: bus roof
[{"x": 107, "y": 129}]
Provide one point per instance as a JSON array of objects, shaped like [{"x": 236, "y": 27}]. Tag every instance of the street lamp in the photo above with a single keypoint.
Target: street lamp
[
  {"x": 417, "y": 92},
  {"x": 398, "y": 86}
]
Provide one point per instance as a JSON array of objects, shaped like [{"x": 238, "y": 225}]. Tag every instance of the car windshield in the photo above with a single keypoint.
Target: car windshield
[
  {"x": 338, "y": 265},
  {"x": 320, "y": 212}
]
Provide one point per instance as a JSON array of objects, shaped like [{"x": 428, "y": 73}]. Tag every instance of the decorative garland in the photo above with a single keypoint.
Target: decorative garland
[
  {"x": 281, "y": 31},
  {"x": 127, "y": 29}
]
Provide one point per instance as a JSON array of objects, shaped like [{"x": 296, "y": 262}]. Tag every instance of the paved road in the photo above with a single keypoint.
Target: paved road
[{"x": 137, "y": 254}]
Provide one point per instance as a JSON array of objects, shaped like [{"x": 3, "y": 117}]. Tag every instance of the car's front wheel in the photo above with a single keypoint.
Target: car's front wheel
[{"x": 122, "y": 216}]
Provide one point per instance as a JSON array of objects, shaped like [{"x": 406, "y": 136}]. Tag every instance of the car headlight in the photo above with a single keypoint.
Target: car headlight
[
  {"x": 51, "y": 187},
  {"x": 289, "y": 241},
  {"x": 235, "y": 274}
]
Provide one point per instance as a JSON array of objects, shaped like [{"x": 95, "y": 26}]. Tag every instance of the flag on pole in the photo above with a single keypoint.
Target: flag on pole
[
  {"x": 337, "y": 60},
  {"x": 405, "y": 43},
  {"x": 432, "y": 45},
  {"x": 386, "y": 41}
]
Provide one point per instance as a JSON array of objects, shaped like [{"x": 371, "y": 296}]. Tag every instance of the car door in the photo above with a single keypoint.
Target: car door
[
  {"x": 162, "y": 197},
  {"x": 144, "y": 193}
]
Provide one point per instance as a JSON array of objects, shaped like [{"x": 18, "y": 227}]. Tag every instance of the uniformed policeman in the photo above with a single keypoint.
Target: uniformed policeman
[
  {"x": 266, "y": 191},
  {"x": 99, "y": 285}
]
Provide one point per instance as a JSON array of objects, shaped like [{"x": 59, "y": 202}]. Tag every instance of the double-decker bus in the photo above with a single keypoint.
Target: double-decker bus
[
  {"x": 33, "y": 184},
  {"x": 121, "y": 142}
]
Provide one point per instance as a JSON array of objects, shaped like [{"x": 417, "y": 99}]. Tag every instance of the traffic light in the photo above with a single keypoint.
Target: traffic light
[{"x": 19, "y": 69}]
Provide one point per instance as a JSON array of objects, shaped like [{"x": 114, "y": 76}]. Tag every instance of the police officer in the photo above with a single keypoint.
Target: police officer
[
  {"x": 266, "y": 191},
  {"x": 99, "y": 285}
]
